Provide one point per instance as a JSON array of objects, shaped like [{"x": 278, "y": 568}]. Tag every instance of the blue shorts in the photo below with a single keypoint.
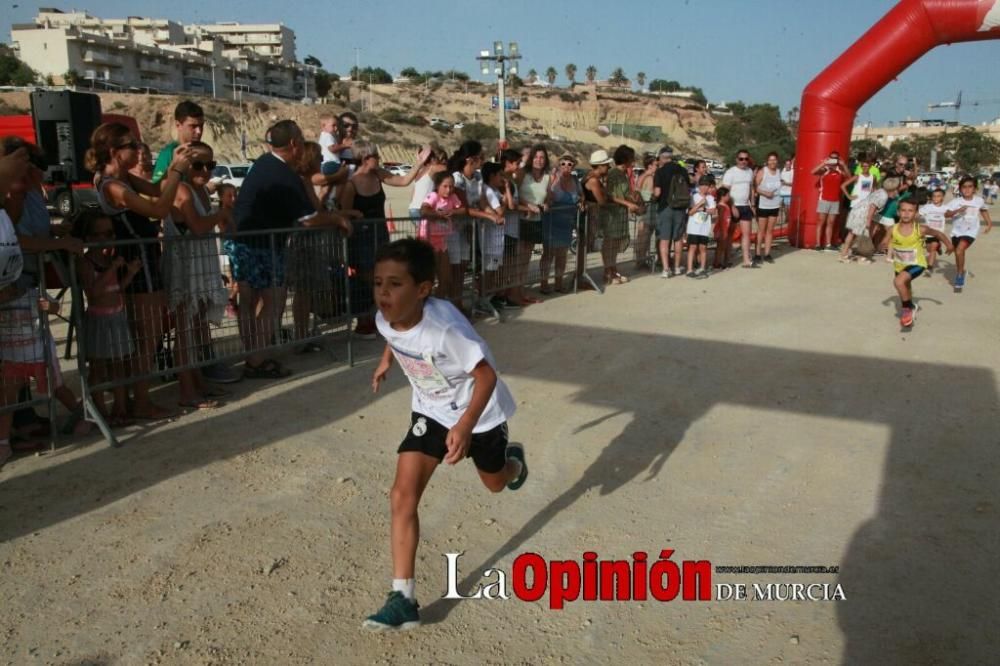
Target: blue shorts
[
  {"x": 257, "y": 266},
  {"x": 914, "y": 271}
]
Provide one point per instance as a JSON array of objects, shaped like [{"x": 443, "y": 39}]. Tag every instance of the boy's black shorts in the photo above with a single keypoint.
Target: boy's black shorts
[{"x": 488, "y": 449}]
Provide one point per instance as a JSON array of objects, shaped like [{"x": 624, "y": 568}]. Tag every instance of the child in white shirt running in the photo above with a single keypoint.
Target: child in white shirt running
[
  {"x": 460, "y": 407},
  {"x": 965, "y": 211},
  {"x": 932, "y": 214}
]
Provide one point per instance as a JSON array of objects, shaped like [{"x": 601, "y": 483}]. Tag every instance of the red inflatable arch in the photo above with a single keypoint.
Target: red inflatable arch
[{"x": 831, "y": 101}]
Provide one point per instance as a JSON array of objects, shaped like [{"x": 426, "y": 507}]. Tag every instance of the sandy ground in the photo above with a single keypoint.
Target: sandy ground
[{"x": 774, "y": 417}]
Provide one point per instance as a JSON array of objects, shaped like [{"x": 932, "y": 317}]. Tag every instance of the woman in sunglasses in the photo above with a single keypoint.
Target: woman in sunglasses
[
  {"x": 112, "y": 154},
  {"x": 557, "y": 227},
  {"x": 192, "y": 275}
]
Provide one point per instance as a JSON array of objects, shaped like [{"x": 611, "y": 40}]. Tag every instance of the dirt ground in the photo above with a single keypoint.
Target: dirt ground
[{"x": 767, "y": 417}]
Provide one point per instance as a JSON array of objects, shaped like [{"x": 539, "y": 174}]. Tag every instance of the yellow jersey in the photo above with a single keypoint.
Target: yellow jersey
[{"x": 908, "y": 250}]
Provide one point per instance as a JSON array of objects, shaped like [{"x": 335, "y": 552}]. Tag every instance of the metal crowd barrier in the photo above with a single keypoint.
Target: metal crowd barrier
[
  {"x": 297, "y": 293},
  {"x": 28, "y": 352}
]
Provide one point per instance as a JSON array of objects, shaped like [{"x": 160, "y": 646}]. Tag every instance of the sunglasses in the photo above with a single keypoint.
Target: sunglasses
[
  {"x": 131, "y": 145},
  {"x": 566, "y": 164},
  {"x": 346, "y": 125},
  {"x": 742, "y": 159},
  {"x": 203, "y": 166}
]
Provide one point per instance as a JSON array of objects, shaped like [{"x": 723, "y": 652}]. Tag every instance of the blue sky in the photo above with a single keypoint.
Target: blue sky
[{"x": 750, "y": 50}]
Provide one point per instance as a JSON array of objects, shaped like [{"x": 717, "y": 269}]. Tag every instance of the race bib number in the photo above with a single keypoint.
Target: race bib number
[
  {"x": 907, "y": 257},
  {"x": 935, "y": 222},
  {"x": 422, "y": 372}
]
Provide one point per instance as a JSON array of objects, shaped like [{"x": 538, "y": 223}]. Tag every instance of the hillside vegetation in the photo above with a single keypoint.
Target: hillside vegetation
[{"x": 395, "y": 117}]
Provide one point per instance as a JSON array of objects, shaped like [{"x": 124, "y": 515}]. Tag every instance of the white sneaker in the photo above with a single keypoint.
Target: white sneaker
[
  {"x": 665, "y": 274},
  {"x": 678, "y": 271}
]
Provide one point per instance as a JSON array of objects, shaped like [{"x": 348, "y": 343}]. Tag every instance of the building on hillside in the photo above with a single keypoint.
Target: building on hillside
[
  {"x": 909, "y": 129},
  {"x": 271, "y": 40},
  {"x": 137, "y": 54}
]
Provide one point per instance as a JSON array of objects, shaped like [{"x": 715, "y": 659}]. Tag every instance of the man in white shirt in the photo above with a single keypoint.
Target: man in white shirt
[{"x": 739, "y": 180}]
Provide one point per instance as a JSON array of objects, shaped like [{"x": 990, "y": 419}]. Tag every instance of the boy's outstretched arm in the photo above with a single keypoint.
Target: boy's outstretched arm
[
  {"x": 460, "y": 436},
  {"x": 383, "y": 369}
]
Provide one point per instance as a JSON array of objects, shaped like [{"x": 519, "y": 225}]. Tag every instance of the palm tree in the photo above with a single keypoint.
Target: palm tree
[
  {"x": 551, "y": 75},
  {"x": 591, "y": 73},
  {"x": 532, "y": 76},
  {"x": 641, "y": 79},
  {"x": 618, "y": 77},
  {"x": 571, "y": 74}
]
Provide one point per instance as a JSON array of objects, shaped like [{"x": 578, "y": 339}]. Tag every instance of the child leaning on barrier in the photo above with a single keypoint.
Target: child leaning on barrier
[
  {"x": 437, "y": 209},
  {"x": 107, "y": 337}
]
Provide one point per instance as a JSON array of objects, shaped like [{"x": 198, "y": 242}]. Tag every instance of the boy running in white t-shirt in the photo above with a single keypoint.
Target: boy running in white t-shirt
[
  {"x": 932, "y": 214},
  {"x": 965, "y": 211},
  {"x": 460, "y": 406}
]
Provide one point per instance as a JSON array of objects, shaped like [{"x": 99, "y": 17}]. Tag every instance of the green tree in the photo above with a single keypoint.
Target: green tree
[
  {"x": 312, "y": 61},
  {"x": 532, "y": 75},
  {"x": 571, "y": 74},
  {"x": 591, "y": 73},
  {"x": 640, "y": 78},
  {"x": 973, "y": 150},
  {"x": 758, "y": 128},
  {"x": 13, "y": 72},
  {"x": 550, "y": 75},
  {"x": 660, "y": 85},
  {"x": 71, "y": 77},
  {"x": 323, "y": 82},
  {"x": 412, "y": 74},
  {"x": 618, "y": 77},
  {"x": 479, "y": 132},
  {"x": 456, "y": 75},
  {"x": 869, "y": 147},
  {"x": 373, "y": 74}
]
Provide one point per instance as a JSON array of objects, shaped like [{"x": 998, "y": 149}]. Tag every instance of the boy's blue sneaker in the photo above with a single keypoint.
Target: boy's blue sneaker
[
  {"x": 516, "y": 451},
  {"x": 959, "y": 280},
  {"x": 397, "y": 614}
]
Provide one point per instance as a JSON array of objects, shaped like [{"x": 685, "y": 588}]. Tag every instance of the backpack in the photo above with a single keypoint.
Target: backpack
[{"x": 679, "y": 193}]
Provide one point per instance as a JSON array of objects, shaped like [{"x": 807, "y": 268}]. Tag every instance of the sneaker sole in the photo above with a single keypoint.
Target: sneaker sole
[
  {"x": 371, "y": 625},
  {"x": 517, "y": 452}
]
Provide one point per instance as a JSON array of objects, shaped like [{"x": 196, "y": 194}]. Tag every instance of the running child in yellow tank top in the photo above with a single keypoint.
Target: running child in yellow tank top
[{"x": 909, "y": 256}]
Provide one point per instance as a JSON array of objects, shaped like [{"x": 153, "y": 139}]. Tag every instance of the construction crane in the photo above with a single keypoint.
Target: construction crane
[{"x": 957, "y": 104}]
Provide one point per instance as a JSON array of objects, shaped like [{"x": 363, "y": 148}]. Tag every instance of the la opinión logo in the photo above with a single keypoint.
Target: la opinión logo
[{"x": 593, "y": 579}]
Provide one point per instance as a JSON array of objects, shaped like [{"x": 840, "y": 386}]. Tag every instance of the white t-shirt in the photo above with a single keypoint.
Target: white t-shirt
[
  {"x": 967, "y": 224},
  {"x": 11, "y": 259},
  {"x": 473, "y": 187},
  {"x": 933, "y": 216},
  {"x": 787, "y": 176},
  {"x": 738, "y": 181},
  {"x": 437, "y": 356},
  {"x": 327, "y": 139},
  {"x": 700, "y": 224},
  {"x": 421, "y": 188},
  {"x": 491, "y": 235}
]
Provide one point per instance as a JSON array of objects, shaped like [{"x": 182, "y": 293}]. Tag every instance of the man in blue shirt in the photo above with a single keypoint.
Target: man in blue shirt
[{"x": 273, "y": 197}]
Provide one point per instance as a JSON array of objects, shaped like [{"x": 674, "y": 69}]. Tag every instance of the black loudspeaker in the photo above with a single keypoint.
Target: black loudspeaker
[{"x": 64, "y": 121}]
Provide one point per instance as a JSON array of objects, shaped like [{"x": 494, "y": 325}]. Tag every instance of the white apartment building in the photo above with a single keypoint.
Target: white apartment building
[{"x": 158, "y": 55}]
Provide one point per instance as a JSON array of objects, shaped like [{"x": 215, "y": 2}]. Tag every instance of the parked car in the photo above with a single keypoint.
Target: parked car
[
  {"x": 230, "y": 173},
  {"x": 458, "y": 126},
  {"x": 400, "y": 169},
  {"x": 439, "y": 122}
]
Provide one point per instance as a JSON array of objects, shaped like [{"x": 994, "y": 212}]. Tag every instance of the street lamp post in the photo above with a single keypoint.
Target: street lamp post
[
  {"x": 213, "y": 78},
  {"x": 498, "y": 61}
]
